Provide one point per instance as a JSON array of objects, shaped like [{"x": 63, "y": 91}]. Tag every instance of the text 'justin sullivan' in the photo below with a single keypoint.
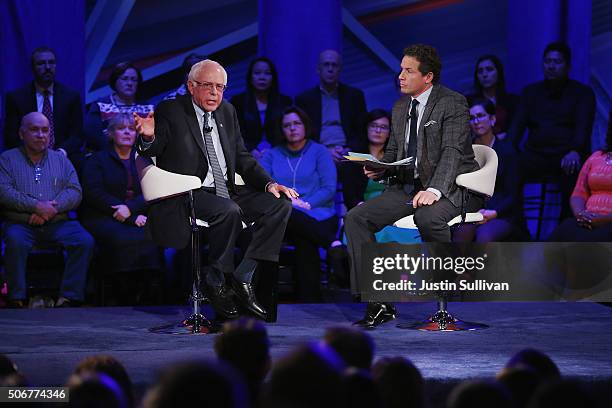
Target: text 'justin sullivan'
[{"x": 477, "y": 285}]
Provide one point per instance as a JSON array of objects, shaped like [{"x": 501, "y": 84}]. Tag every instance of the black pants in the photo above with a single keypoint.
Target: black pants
[
  {"x": 307, "y": 235},
  {"x": 370, "y": 217},
  {"x": 536, "y": 167},
  {"x": 225, "y": 216}
]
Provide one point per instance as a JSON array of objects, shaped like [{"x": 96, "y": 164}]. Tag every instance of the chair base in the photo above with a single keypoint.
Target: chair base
[
  {"x": 443, "y": 320},
  {"x": 197, "y": 323}
]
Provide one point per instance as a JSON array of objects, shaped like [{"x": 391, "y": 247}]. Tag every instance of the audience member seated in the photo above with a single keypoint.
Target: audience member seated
[
  {"x": 490, "y": 84},
  {"x": 337, "y": 111},
  {"x": 108, "y": 365},
  {"x": 354, "y": 346},
  {"x": 95, "y": 390},
  {"x": 360, "y": 389},
  {"x": 558, "y": 114},
  {"x": 400, "y": 383},
  {"x": 479, "y": 394},
  {"x": 38, "y": 187},
  {"x": 309, "y": 376},
  {"x": 189, "y": 61},
  {"x": 244, "y": 345},
  {"x": 307, "y": 167},
  {"x": 60, "y": 104},
  {"x": 537, "y": 361},
  {"x": 7, "y": 366},
  {"x": 562, "y": 394},
  {"x": 197, "y": 384},
  {"x": 114, "y": 210},
  {"x": 521, "y": 383},
  {"x": 259, "y": 109},
  {"x": 125, "y": 79},
  {"x": 503, "y": 211},
  {"x": 591, "y": 201}
]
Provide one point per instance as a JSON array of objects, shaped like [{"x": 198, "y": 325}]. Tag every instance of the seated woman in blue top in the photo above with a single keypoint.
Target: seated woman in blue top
[
  {"x": 113, "y": 209},
  {"x": 307, "y": 167}
]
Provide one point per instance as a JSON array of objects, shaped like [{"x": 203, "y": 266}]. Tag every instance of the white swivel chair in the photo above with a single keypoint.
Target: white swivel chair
[
  {"x": 481, "y": 181},
  {"x": 158, "y": 184}
]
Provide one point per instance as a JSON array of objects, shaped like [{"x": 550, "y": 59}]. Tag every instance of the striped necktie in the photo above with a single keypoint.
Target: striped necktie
[
  {"x": 48, "y": 112},
  {"x": 213, "y": 161}
]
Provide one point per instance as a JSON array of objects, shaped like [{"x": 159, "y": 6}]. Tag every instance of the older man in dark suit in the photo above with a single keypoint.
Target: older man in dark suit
[
  {"x": 431, "y": 124},
  {"x": 198, "y": 134},
  {"x": 60, "y": 104}
]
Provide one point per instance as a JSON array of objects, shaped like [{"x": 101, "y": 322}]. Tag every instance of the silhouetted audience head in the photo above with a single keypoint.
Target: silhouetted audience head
[
  {"x": 361, "y": 390},
  {"x": 329, "y": 67},
  {"x": 111, "y": 367},
  {"x": 244, "y": 344},
  {"x": 43, "y": 66},
  {"x": 521, "y": 383},
  {"x": 489, "y": 73},
  {"x": 561, "y": 394},
  {"x": 428, "y": 58},
  {"x": 399, "y": 382},
  {"x": 537, "y": 361},
  {"x": 198, "y": 384},
  {"x": 479, "y": 394},
  {"x": 309, "y": 376},
  {"x": 262, "y": 76},
  {"x": 355, "y": 347},
  {"x": 557, "y": 59},
  {"x": 125, "y": 79},
  {"x": 95, "y": 390},
  {"x": 7, "y": 367}
]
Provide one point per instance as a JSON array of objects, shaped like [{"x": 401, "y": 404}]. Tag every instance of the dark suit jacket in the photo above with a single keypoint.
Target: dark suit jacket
[
  {"x": 67, "y": 116},
  {"x": 104, "y": 183},
  {"x": 444, "y": 146},
  {"x": 179, "y": 148},
  {"x": 353, "y": 113},
  {"x": 250, "y": 124}
]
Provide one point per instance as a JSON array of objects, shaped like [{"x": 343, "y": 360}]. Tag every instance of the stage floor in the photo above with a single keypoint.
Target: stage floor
[{"x": 47, "y": 343}]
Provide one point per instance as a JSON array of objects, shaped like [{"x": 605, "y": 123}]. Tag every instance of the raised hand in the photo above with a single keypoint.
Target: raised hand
[{"x": 145, "y": 126}]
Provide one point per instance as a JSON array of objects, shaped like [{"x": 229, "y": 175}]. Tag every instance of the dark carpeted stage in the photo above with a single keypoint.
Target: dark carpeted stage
[{"x": 47, "y": 343}]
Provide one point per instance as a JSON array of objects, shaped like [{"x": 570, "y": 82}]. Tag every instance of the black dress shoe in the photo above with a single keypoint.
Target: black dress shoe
[
  {"x": 245, "y": 293},
  {"x": 377, "y": 314},
  {"x": 221, "y": 300}
]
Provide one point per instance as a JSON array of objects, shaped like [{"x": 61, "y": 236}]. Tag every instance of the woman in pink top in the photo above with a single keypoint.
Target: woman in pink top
[{"x": 591, "y": 201}]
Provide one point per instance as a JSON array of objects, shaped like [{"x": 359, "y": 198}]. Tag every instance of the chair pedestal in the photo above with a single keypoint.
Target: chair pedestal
[
  {"x": 442, "y": 320},
  {"x": 197, "y": 322}
]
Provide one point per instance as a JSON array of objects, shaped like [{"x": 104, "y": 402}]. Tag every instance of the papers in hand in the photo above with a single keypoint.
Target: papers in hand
[{"x": 373, "y": 162}]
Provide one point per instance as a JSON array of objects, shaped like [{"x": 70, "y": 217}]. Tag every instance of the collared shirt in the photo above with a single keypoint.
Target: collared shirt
[
  {"x": 332, "y": 133},
  {"x": 422, "y": 99},
  {"x": 23, "y": 183},
  {"x": 209, "y": 180},
  {"x": 40, "y": 97}
]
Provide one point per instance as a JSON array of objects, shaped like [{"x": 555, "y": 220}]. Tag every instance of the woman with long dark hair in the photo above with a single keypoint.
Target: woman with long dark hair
[
  {"x": 260, "y": 107},
  {"x": 490, "y": 83}
]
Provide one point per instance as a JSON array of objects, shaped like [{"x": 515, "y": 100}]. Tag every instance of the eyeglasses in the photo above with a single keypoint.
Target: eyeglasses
[
  {"x": 209, "y": 85},
  {"x": 295, "y": 123},
  {"x": 37, "y": 174},
  {"x": 380, "y": 128},
  {"x": 478, "y": 117}
]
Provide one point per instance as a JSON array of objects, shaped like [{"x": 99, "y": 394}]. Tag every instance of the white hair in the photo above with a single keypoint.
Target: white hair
[{"x": 198, "y": 66}]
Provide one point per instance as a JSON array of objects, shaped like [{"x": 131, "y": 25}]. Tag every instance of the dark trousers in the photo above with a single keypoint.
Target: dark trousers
[
  {"x": 570, "y": 231},
  {"x": 307, "y": 235},
  {"x": 363, "y": 221},
  {"x": 538, "y": 167},
  {"x": 19, "y": 240},
  {"x": 268, "y": 213}
]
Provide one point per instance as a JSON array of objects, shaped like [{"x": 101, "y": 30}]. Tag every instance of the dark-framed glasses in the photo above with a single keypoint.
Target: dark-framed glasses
[
  {"x": 479, "y": 117},
  {"x": 380, "y": 128},
  {"x": 209, "y": 85}
]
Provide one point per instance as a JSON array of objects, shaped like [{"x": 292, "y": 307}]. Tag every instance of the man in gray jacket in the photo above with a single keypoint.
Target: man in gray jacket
[{"x": 431, "y": 124}]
